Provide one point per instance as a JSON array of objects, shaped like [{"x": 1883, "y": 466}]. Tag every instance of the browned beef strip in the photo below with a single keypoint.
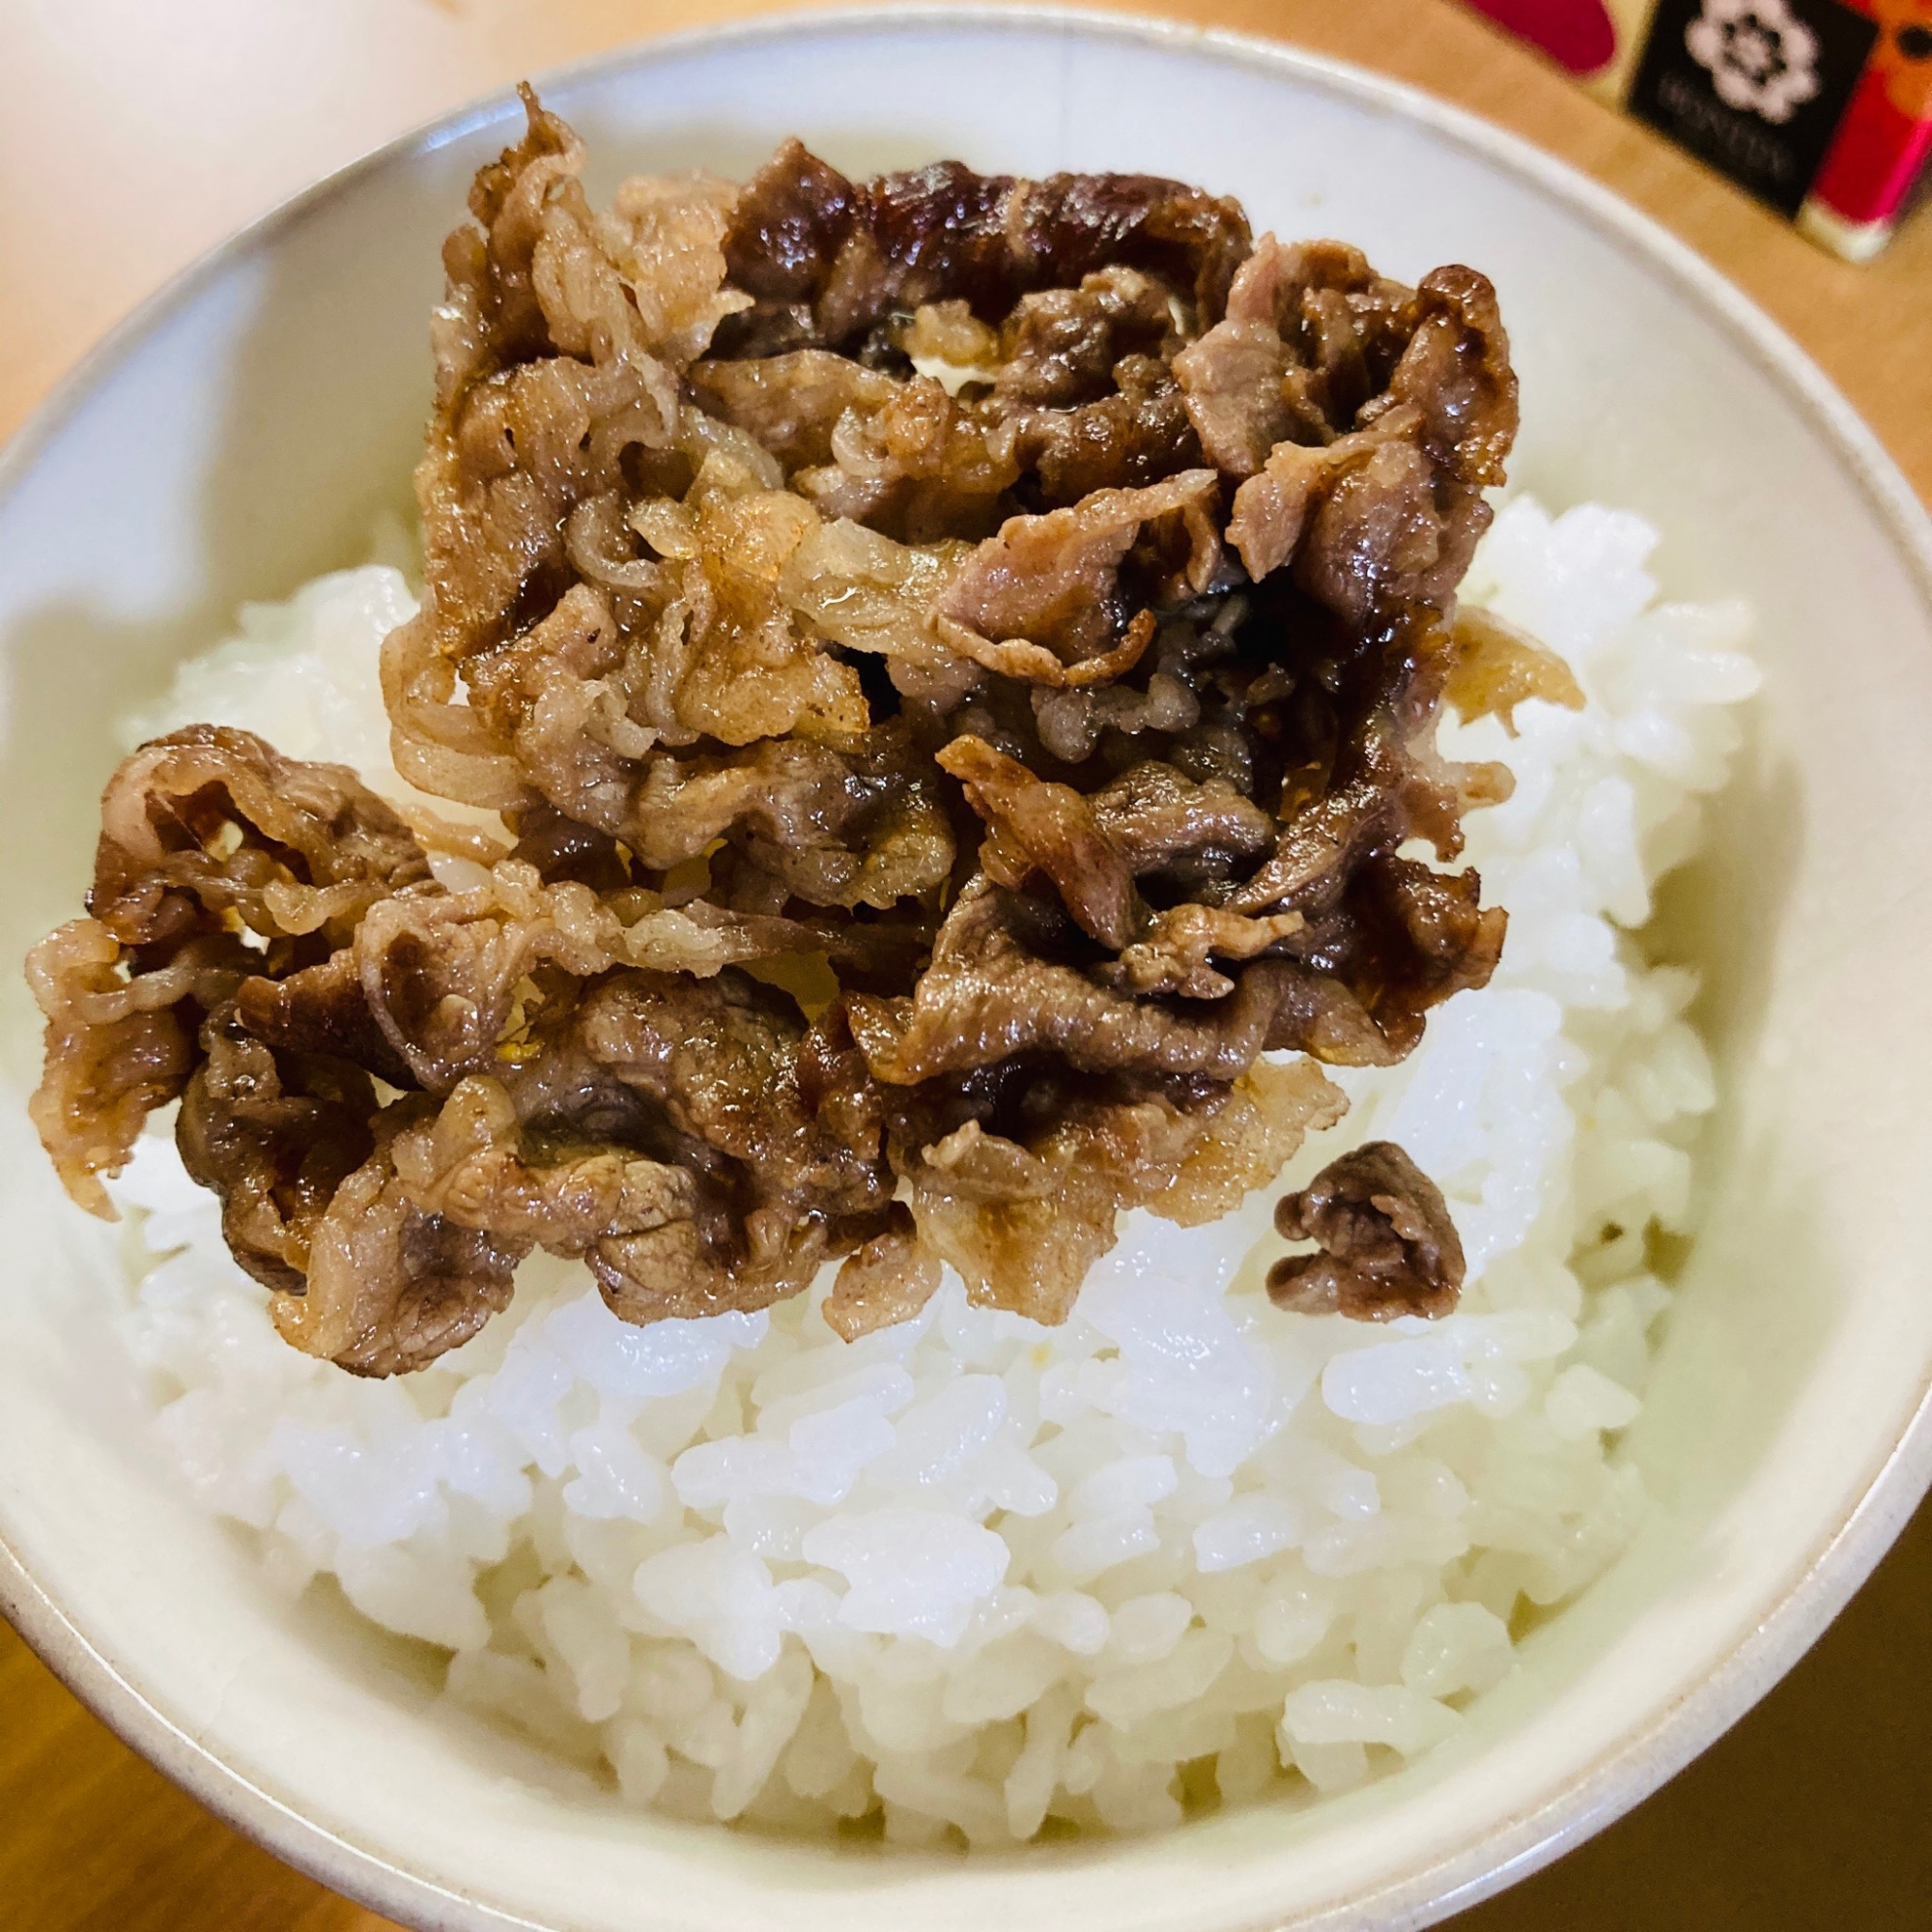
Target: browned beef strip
[
  {"x": 274, "y": 1134},
  {"x": 828, "y": 258}
]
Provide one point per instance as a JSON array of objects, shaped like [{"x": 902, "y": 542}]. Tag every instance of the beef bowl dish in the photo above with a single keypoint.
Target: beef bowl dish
[{"x": 963, "y": 1055}]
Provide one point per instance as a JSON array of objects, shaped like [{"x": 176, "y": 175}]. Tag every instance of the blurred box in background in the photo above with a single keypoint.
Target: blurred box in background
[{"x": 1822, "y": 108}]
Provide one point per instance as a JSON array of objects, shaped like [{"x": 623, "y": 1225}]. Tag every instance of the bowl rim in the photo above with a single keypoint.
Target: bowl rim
[{"x": 1626, "y": 1770}]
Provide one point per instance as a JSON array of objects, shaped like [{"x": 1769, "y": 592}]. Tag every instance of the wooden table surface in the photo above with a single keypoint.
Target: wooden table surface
[{"x": 133, "y": 135}]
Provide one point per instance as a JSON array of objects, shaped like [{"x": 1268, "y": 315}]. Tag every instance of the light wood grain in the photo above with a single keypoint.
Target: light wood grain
[{"x": 132, "y": 137}]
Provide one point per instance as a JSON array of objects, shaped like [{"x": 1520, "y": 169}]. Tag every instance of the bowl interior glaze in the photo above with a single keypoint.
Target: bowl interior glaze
[{"x": 239, "y": 435}]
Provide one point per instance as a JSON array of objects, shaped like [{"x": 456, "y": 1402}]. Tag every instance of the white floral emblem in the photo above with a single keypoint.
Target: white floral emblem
[{"x": 1761, "y": 57}]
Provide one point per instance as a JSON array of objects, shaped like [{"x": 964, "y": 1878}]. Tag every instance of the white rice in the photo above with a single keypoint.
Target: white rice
[{"x": 970, "y": 1575}]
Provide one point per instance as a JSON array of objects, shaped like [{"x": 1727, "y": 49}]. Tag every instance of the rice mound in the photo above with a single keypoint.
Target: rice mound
[{"x": 971, "y": 1576}]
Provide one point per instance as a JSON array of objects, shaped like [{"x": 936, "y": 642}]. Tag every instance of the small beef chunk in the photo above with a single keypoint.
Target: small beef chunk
[{"x": 1387, "y": 1244}]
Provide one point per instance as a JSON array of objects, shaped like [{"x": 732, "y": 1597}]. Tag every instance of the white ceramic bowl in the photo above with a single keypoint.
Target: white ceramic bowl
[{"x": 235, "y": 437}]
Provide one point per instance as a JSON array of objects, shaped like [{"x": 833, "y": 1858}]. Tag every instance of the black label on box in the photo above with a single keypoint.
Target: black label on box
[{"x": 1755, "y": 87}]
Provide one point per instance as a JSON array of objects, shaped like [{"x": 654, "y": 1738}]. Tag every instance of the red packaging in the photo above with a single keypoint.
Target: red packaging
[
  {"x": 1883, "y": 139},
  {"x": 1822, "y": 108}
]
